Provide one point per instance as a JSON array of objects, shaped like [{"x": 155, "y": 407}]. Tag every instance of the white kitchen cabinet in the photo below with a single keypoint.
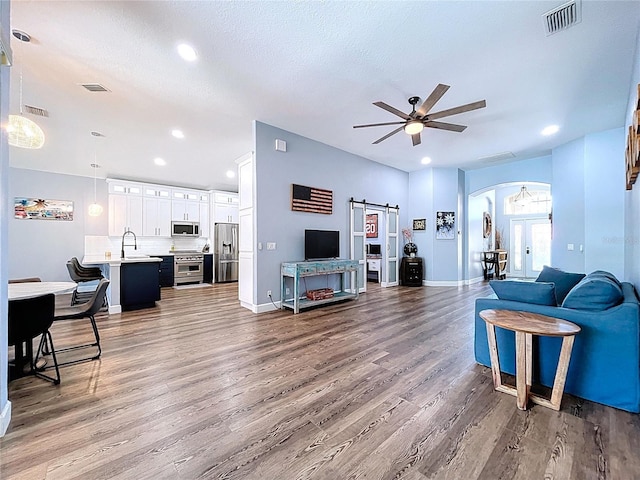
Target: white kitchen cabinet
[
  {"x": 158, "y": 191},
  {"x": 205, "y": 226},
  {"x": 156, "y": 220},
  {"x": 185, "y": 205},
  {"x": 225, "y": 207},
  {"x": 122, "y": 187},
  {"x": 125, "y": 213},
  {"x": 185, "y": 210}
]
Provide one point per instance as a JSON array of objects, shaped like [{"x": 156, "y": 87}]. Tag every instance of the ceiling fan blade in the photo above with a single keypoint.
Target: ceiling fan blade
[
  {"x": 446, "y": 126},
  {"x": 388, "y": 135},
  {"x": 456, "y": 110},
  {"x": 379, "y": 124},
  {"x": 393, "y": 110},
  {"x": 436, "y": 95},
  {"x": 415, "y": 138}
]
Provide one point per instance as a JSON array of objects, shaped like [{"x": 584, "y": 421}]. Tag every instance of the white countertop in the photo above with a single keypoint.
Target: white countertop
[{"x": 101, "y": 260}]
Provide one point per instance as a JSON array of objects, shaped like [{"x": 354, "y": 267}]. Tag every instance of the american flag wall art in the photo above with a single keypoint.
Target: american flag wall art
[{"x": 311, "y": 199}]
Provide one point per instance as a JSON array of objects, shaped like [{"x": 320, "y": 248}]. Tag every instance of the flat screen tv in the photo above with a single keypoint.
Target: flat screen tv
[{"x": 321, "y": 244}]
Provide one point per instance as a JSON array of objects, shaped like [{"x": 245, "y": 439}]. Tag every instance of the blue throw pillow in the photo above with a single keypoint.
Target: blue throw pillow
[
  {"x": 594, "y": 292},
  {"x": 539, "y": 293},
  {"x": 602, "y": 273},
  {"x": 564, "y": 281}
]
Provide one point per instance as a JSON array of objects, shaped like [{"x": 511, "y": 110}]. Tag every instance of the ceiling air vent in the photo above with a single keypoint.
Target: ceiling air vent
[
  {"x": 498, "y": 157},
  {"x": 562, "y": 17},
  {"x": 41, "y": 112},
  {"x": 94, "y": 87}
]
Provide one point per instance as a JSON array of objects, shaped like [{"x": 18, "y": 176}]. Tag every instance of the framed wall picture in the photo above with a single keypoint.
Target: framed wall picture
[
  {"x": 371, "y": 227},
  {"x": 445, "y": 225},
  {"x": 486, "y": 225},
  {"x": 419, "y": 223},
  {"x": 42, "y": 209}
]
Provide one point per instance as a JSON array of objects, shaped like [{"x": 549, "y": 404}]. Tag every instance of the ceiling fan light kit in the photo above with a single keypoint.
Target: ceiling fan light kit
[
  {"x": 414, "y": 122},
  {"x": 413, "y": 126}
]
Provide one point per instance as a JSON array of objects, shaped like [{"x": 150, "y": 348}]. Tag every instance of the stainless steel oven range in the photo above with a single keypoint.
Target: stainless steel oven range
[{"x": 188, "y": 267}]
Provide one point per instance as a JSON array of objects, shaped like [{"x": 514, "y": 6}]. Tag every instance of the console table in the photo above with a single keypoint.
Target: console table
[{"x": 298, "y": 270}]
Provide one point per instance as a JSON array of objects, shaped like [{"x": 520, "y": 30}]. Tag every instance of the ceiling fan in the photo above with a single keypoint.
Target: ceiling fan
[{"x": 415, "y": 121}]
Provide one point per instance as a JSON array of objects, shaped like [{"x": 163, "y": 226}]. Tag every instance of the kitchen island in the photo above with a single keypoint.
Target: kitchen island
[{"x": 112, "y": 270}]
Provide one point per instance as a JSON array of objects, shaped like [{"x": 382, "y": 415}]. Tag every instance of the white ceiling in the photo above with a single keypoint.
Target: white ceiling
[{"x": 313, "y": 68}]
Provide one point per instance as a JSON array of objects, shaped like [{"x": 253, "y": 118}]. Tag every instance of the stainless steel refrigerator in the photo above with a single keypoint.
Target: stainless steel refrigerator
[{"x": 225, "y": 253}]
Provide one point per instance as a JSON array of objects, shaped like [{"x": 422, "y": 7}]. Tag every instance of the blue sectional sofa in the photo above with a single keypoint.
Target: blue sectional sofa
[{"x": 605, "y": 362}]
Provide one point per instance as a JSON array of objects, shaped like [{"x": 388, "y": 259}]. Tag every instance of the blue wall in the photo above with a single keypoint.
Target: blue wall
[
  {"x": 314, "y": 164},
  {"x": 568, "y": 206},
  {"x": 604, "y": 185}
]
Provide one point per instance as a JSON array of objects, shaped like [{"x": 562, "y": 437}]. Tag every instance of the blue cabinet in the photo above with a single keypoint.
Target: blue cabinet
[
  {"x": 166, "y": 271},
  {"x": 139, "y": 285}
]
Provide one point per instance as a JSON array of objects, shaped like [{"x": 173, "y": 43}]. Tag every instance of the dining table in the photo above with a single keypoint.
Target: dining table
[{"x": 20, "y": 291}]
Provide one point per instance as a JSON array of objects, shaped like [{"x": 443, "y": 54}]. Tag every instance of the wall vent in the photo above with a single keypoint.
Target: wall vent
[
  {"x": 562, "y": 17},
  {"x": 498, "y": 157},
  {"x": 94, "y": 87},
  {"x": 41, "y": 112}
]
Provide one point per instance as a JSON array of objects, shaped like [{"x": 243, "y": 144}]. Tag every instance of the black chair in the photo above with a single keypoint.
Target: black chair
[
  {"x": 81, "y": 275},
  {"x": 84, "y": 310},
  {"x": 27, "y": 319}
]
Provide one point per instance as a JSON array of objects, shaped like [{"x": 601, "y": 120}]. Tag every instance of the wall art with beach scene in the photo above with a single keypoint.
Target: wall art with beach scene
[{"x": 42, "y": 209}]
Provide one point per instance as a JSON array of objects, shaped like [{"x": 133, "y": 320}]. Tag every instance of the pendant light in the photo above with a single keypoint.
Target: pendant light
[
  {"x": 21, "y": 131},
  {"x": 523, "y": 197},
  {"x": 95, "y": 209}
]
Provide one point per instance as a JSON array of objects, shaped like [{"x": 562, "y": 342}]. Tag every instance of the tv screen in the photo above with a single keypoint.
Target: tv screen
[{"x": 320, "y": 244}]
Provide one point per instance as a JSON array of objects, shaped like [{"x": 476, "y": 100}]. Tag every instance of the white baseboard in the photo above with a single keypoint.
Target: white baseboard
[
  {"x": 249, "y": 306},
  {"x": 268, "y": 307},
  {"x": 5, "y": 418},
  {"x": 451, "y": 283},
  {"x": 443, "y": 283},
  {"x": 113, "y": 309}
]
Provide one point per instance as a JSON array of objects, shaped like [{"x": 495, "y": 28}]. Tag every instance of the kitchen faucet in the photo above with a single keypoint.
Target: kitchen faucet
[{"x": 135, "y": 242}]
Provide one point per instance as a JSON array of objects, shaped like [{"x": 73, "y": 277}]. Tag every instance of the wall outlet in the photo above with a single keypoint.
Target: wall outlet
[
  {"x": 287, "y": 291},
  {"x": 271, "y": 245},
  {"x": 268, "y": 293}
]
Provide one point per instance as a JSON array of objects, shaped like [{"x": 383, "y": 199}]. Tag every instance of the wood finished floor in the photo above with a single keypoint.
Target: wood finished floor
[{"x": 382, "y": 388}]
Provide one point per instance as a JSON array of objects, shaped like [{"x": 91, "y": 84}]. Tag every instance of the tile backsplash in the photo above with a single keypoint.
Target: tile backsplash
[{"x": 98, "y": 245}]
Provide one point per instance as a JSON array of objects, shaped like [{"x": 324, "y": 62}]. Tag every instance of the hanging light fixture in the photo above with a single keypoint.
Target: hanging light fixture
[
  {"x": 95, "y": 209},
  {"x": 523, "y": 197},
  {"x": 21, "y": 131}
]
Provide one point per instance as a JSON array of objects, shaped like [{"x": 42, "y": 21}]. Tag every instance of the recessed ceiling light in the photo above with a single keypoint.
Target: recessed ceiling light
[
  {"x": 231, "y": 173},
  {"x": 177, "y": 133},
  {"x": 159, "y": 161},
  {"x": 550, "y": 130},
  {"x": 187, "y": 52},
  {"x": 425, "y": 160}
]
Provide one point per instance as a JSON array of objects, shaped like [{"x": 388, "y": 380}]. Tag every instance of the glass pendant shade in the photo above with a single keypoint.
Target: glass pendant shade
[
  {"x": 95, "y": 210},
  {"x": 24, "y": 133},
  {"x": 413, "y": 127}
]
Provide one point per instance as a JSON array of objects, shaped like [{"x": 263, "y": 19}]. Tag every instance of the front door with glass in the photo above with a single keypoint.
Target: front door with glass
[{"x": 530, "y": 246}]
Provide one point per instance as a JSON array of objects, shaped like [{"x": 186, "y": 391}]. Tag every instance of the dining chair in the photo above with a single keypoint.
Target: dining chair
[
  {"x": 27, "y": 319},
  {"x": 82, "y": 311},
  {"x": 82, "y": 275}
]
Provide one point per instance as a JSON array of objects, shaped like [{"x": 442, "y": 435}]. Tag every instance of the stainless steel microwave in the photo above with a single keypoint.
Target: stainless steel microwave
[{"x": 185, "y": 229}]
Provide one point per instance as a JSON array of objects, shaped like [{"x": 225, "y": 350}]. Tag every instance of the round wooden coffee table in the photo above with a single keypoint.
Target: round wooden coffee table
[{"x": 525, "y": 325}]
